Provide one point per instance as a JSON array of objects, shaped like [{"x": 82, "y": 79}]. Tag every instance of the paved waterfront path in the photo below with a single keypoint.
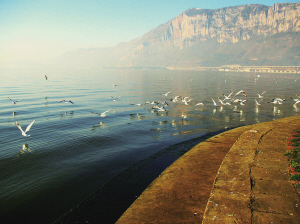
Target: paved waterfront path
[{"x": 239, "y": 176}]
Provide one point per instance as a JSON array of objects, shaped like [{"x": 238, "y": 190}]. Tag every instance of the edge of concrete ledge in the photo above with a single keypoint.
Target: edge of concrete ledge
[{"x": 181, "y": 194}]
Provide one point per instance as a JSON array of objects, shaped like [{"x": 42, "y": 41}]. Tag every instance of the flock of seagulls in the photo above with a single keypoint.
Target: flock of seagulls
[
  {"x": 24, "y": 133},
  {"x": 161, "y": 106}
]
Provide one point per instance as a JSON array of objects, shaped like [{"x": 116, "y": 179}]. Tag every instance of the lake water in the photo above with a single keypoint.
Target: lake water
[{"x": 74, "y": 152}]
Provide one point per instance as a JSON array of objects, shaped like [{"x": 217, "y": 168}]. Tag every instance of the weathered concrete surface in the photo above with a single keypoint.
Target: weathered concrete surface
[{"x": 239, "y": 176}]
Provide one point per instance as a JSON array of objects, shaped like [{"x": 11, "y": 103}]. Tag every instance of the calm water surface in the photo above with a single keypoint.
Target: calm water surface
[{"x": 74, "y": 152}]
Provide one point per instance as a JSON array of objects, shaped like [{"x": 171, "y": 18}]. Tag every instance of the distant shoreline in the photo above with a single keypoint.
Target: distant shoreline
[
  {"x": 225, "y": 68},
  {"x": 240, "y": 68}
]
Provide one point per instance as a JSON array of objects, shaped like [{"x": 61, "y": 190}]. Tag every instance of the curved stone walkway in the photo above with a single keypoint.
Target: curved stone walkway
[{"x": 239, "y": 176}]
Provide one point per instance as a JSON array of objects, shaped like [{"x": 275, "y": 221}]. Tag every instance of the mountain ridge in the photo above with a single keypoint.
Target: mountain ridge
[{"x": 184, "y": 40}]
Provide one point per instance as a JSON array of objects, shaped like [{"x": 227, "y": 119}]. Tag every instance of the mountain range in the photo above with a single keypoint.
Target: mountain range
[{"x": 249, "y": 35}]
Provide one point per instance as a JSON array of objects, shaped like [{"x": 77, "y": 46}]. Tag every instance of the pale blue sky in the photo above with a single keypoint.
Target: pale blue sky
[{"x": 43, "y": 29}]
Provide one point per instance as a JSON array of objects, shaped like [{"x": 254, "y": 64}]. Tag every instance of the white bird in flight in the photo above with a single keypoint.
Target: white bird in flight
[
  {"x": 14, "y": 102},
  {"x": 115, "y": 99},
  {"x": 227, "y": 97},
  {"x": 198, "y": 104},
  {"x": 67, "y": 101},
  {"x": 138, "y": 104},
  {"x": 27, "y": 129},
  {"x": 242, "y": 92},
  {"x": 157, "y": 108},
  {"x": 175, "y": 99},
  {"x": 297, "y": 101},
  {"x": 166, "y": 94},
  {"x": 187, "y": 102},
  {"x": 277, "y": 101},
  {"x": 242, "y": 102},
  {"x": 214, "y": 102},
  {"x": 258, "y": 102},
  {"x": 261, "y": 95},
  {"x": 102, "y": 114}
]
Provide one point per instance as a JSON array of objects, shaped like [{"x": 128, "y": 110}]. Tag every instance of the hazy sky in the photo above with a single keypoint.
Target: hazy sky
[{"x": 43, "y": 29}]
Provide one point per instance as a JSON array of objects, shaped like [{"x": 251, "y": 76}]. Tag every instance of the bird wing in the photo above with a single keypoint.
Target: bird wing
[
  {"x": 106, "y": 111},
  {"x": 29, "y": 126},
  {"x": 19, "y": 126},
  {"x": 241, "y": 91},
  {"x": 237, "y": 93}
]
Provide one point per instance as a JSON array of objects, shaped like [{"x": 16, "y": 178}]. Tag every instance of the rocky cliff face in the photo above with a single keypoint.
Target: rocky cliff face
[{"x": 231, "y": 24}]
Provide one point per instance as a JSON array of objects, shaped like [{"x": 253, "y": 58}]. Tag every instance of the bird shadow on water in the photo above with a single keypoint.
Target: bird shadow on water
[{"x": 107, "y": 204}]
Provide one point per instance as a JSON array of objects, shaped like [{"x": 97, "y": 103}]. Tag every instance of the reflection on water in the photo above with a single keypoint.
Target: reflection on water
[
  {"x": 76, "y": 152},
  {"x": 277, "y": 111},
  {"x": 101, "y": 125},
  {"x": 296, "y": 109},
  {"x": 25, "y": 148},
  {"x": 67, "y": 114}
]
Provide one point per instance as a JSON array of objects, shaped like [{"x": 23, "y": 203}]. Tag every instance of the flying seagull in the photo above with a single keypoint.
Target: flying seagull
[
  {"x": 214, "y": 102},
  {"x": 298, "y": 101},
  {"x": 102, "y": 114},
  {"x": 67, "y": 101},
  {"x": 115, "y": 99},
  {"x": 46, "y": 77},
  {"x": 157, "y": 108},
  {"x": 166, "y": 94},
  {"x": 198, "y": 104},
  {"x": 138, "y": 104},
  {"x": 175, "y": 99},
  {"x": 223, "y": 103},
  {"x": 27, "y": 129},
  {"x": 187, "y": 102},
  {"x": 242, "y": 92},
  {"x": 258, "y": 102},
  {"x": 227, "y": 97},
  {"x": 261, "y": 95},
  {"x": 242, "y": 102},
  {"x": 14, "y": 102}
]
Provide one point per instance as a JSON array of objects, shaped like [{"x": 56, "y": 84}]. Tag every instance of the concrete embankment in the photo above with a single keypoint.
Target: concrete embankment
[{"x": 239, "y": 176}]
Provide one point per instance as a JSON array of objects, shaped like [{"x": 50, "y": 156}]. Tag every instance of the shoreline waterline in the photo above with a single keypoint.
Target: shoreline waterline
[{"x": 109, "y": 202}]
